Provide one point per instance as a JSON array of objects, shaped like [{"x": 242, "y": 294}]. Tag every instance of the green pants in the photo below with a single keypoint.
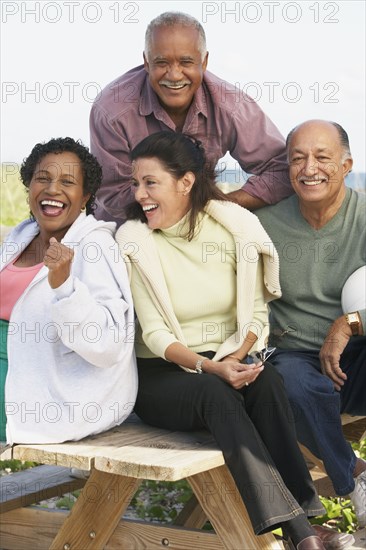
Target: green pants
[{"x": 3, "y": 371}]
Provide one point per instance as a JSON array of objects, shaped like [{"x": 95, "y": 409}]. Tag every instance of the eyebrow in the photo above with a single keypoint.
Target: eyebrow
[
  {"x": 48, "y": 173},
  {"x": 319, "y": 150},
  {"x": 182, "y": 58},
  {"x": 143, "y": 177},
  {"x": 41, "y": 171}
]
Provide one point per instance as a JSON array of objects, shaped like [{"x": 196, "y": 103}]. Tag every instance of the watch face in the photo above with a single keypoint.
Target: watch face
[{"x": 352, "y": 317}]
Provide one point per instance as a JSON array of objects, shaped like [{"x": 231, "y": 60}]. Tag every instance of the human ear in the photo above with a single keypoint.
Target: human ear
[
  {"x": 188, "y": 181},
  {"x": 146, "y": 63},
  {"x": 347, "y": 166},
  {"x": 86, "y": 198},
  {"x": 205, "y": 61}
]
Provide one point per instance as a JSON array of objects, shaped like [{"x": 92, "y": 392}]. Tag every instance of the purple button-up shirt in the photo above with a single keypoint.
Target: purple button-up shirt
[{"x": 221, "y": 116}]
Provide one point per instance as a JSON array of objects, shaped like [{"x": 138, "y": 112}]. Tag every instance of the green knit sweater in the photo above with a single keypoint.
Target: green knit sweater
[{"x": 314, "y": 265}]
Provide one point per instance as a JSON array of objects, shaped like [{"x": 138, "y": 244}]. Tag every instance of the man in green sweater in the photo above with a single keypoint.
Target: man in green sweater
[{"x": 320, "y": 235}]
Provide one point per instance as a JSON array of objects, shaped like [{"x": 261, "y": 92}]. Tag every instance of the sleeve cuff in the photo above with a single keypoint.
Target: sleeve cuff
[{"x": 65, "y": 290}]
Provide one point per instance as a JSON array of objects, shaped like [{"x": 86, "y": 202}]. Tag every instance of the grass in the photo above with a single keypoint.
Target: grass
[{"x": 14, "y": 207}]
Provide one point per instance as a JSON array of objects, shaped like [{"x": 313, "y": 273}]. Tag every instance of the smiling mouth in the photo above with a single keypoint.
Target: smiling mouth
[
  {"x": 312, "y": 183},
  {"x": 149, "y": 208},
  {"x": 174, "y": 86},
  {"x": 52, "y": 207}
]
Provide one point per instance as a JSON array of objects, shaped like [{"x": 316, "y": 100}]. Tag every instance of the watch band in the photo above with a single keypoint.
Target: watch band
[
  {"x": 354, "y": 321},
  {"x": 198, "y": 366}
]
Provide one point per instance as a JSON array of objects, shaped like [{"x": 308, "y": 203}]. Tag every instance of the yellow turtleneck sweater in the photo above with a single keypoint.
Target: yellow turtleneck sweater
[{"x": 201, "y": 279}]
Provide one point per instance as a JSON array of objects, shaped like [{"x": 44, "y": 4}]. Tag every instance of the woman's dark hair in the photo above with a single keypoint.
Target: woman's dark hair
[
  {"x": 179, "y": 154},
  {"x": 92, "y": 171}
]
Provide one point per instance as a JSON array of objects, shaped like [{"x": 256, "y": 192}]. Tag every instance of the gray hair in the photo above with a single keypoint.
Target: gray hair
[
  {"x": 171, "y": 19},
  {"x": 342, "y": 134}
]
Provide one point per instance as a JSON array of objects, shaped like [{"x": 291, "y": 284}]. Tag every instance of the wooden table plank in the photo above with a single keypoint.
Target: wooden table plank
[
  {"x": 134, "y": 451},
  {"x": 139, "y": 536},
  {"x": 30, "y": 528},
  {"x": 159, "y": 464},
  {"x": 36, "y": 529}
]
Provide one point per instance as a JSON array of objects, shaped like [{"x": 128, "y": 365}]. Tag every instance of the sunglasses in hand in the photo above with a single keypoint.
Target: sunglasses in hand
[{"x": 262, "y": 355}]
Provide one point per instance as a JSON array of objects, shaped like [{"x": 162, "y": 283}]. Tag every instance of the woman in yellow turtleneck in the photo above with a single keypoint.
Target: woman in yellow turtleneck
[{"x": 201, "y": 270}]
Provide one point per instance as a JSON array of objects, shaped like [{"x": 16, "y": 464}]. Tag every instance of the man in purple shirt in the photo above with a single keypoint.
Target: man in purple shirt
[{"x": 173, "y": 90}]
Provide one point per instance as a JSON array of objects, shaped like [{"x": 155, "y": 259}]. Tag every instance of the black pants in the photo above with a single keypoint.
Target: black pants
[{"x": 253, "y": 427}]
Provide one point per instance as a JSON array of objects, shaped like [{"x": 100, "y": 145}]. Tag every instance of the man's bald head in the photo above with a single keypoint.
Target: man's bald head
[{"x": 319, "y": 125}]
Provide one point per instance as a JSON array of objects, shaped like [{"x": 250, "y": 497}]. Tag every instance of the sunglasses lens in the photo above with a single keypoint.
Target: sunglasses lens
[{"x": 268, "y": 352}]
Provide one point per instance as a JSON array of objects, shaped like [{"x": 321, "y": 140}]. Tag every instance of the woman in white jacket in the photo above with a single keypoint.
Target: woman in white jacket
[
  {"x": 202, "y": 269},
  {"x": 68, "y": 368}
]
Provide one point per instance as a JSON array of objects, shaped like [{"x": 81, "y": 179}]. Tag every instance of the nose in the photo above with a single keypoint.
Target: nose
[
  {"x": 311, "y": 166},
  {"x": 140, "y": 193},
  {"x": 174, "y": 72},
  {"x": 53, "y": 186}
]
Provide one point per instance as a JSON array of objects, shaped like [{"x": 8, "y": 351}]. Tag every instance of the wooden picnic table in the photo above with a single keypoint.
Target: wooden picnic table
[{"x": 119, "y": 460}]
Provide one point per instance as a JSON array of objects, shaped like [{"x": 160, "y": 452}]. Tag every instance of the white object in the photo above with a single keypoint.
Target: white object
[
  {"x": 358, "y": 499},
  {"x": 354, "y": 291}
]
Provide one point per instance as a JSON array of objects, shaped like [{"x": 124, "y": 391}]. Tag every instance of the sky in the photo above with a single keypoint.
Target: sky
[{"x": 298, "y": 60}]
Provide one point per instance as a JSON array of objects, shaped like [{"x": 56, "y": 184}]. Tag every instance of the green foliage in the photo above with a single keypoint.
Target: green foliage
[
  {"x": 339, "y": 515},
  {"x": 16, "y": 465},
  {"x": 160, "y": 501},
  {"x": 14, "y": 207},
  {"x": 66, "y": 502},
  {"x": 360, "y": 448},
  {"x": 339, "y": 511}
]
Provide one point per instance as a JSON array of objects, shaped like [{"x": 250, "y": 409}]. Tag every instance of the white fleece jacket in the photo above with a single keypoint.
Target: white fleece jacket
[
  {"x": 252, "y": 245},
  {"x": 72, "y": 368}
]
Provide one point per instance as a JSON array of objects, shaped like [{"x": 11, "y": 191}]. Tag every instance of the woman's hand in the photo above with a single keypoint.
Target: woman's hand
[
  {"x": 236, "y": 374},
  {"x": 58, "y": 259}
]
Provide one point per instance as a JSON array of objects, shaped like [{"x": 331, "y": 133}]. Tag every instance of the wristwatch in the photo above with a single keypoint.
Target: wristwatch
[
  {"x": 353, "y": 319},
  {"x": 198, "y": 366}
]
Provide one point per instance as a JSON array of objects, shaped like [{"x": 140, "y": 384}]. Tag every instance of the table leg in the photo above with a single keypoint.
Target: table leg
[
  {"x": 96, "y": 513},
  {"x": 192, "y": 516},
  {"x": 219, "y": 497}
]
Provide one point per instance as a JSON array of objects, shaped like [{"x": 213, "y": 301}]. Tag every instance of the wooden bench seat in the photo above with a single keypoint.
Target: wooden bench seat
[
  {"x": 36, "y": 484},
  {"x": 119, "y": 460}
]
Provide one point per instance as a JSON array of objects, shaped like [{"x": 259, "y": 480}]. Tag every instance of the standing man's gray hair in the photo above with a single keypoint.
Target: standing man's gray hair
[{"x": 170, "y": 19}]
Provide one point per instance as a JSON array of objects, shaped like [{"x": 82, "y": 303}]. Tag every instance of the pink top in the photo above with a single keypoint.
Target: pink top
[{"x": 13, "y": 282}]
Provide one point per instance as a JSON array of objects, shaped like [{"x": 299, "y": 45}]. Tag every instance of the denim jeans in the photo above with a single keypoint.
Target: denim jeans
[
  {"x": 317, "y": 405},
  {"x": 253, "y": 426}
]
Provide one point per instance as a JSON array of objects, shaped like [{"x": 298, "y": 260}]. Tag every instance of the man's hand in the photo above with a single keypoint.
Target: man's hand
[
  {"x": 330, "y": 352},
  {"x": 58, "y": 259},
  {"x": 243, "y": 198}
]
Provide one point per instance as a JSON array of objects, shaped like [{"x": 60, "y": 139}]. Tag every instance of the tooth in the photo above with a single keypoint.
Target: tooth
[{"x": 52, "y": 203}]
